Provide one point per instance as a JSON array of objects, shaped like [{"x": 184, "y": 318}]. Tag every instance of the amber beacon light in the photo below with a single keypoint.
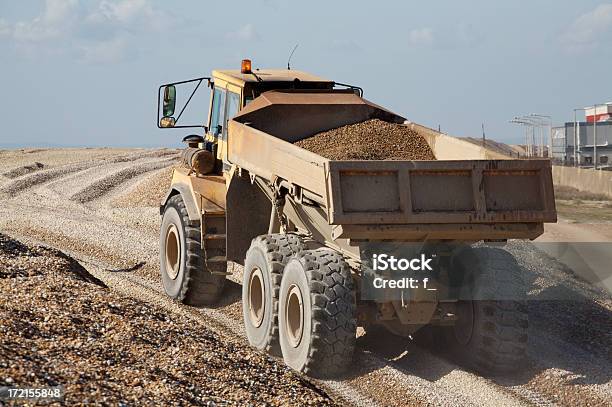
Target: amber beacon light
[{"x": 245, "y": 66}]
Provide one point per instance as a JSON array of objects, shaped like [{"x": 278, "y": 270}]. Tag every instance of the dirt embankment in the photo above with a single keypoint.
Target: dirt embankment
[
  {"x": 62, "y": 326},
  {"x": 370, "y": 140}
]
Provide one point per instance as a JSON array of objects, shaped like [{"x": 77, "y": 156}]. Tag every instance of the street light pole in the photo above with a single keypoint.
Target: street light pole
[
  {"x": 575, "y": 138},
  {"x": 595, "y": 138},
  {"x": 544, "y": 120},
  {"x": 526, "y": 125},
  {"x": 531, "y": 122}
]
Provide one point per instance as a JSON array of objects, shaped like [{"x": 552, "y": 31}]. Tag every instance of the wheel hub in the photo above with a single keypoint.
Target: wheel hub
[
  {"x": 294, "y": 316},
  {"x": 173, "y": 252},
  {"x": 256, "y": 298}
]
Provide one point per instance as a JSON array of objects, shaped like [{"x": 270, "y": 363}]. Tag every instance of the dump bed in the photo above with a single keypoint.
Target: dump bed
[{"x": 462, "y": 192}]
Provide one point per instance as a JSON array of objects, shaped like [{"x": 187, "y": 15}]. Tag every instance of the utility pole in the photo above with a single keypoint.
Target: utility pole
[
  {"x": 545, "y": 123},
  {"x": 484, "y": 138},
  {"x": 531, "y": 122},
  {"x": 575, "y": 138},
  {"x": 595, "y": 138}
]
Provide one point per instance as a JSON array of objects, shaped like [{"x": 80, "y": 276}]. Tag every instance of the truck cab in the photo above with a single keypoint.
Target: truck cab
[{"x": 233, "y": 89}]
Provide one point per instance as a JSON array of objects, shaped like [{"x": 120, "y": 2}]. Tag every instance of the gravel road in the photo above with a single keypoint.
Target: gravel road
[{"x": 113, "y": 235}]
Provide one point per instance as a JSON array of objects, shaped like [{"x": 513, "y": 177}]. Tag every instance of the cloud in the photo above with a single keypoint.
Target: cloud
[
  {"x": 55, "y": 21},
  {"x": 5, "y": 28},
  {"x": 112, "y": 50},
  {"x": 343, "y": 45},
  {"x": 128, "y": 14},
  {"x": 245, "y": 33},
  {"x": 96, "y": 31},
  {"x": 586, "y": 32},
  {"x": 446, "y": 38},
  {"x": 421, "y": 37}
]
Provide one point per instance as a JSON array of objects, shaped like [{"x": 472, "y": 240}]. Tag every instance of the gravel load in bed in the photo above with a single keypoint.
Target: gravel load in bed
[
  {"x": 370, "y": 140},
  {"x": 62, "y": 326}
]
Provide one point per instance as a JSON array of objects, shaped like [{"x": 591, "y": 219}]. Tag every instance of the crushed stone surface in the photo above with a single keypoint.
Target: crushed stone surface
[
  {"x": 63, "y": 326},
  {"x": 147, "y": 193},
  {"x": 23, "y": 170},
  {"x": 569, "y": 342},
  {"x": 370, "y": 140},
  {"x": 100, "y": 187}
]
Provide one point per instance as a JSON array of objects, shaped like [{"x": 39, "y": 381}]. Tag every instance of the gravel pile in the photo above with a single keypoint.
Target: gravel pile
[
  {"x": 31, "y": 180},
  {"x": 147, "y": 193},
  {"x": 101, "y": 187},
  {"x": 56, "y": 157},
  {"x": 62, "y": 326},
  {"x": 148, "y": 154},
  {"x": 40, "y": 177},
  {"x": 370, "y": 140},
  {"x": 23, "y": 170}
]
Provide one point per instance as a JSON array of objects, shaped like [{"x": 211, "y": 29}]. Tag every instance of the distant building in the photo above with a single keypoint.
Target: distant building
[
  {"x": 565, "y": 138},
  {"x": 599, "y": 113}
]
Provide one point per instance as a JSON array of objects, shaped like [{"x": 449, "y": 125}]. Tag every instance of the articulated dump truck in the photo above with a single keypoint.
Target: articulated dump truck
[{"x": 304, "y": 226}]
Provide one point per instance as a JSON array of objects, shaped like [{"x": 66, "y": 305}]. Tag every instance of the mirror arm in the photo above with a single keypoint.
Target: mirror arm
[
  {"x": 210, "y": 84},
  {"x": 189, "y": 100},
  {"x": 158, "y": 103}
]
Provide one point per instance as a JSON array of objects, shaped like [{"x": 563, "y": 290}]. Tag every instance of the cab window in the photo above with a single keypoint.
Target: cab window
[
  {"x": 233, "y": 105},
  {"x": 218, "y": 111}
]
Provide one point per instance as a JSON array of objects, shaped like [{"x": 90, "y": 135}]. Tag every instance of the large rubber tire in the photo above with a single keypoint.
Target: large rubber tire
[
  {"x": 263, "y": 268},
  {"x": 182, "y": 265},
  {"x": 494, "y": 341},
  {"x": 317, "y": 313}
]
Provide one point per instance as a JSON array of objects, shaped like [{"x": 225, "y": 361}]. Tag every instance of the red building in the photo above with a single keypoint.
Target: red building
[{"x": 600, "y": 113}]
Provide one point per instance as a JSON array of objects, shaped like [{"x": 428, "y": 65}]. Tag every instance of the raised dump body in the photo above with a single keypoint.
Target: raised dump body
[{"x": 460, "y": 196}]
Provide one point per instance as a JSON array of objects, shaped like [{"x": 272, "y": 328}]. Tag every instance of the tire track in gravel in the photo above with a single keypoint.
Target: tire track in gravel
[
  {"x": 416, "y": 361},
  {"x": 33, "y": 180},
  {"x": 23, "y": 170},
  {"x": 112, "y": 181},
  {"x": 67, "y": 185}
]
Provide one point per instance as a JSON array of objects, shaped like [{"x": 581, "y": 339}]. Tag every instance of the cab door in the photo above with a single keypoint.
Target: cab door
[
  {"x": 225, "y": 104},
  {"x": 217, "y": 113}
]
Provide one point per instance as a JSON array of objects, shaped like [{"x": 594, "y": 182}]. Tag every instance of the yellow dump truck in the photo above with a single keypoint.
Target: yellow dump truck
[{"x": 298, "y": 223}]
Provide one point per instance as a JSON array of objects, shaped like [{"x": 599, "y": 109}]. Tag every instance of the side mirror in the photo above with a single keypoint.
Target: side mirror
[
  {"x": 169, "y": 100},
  {"x": 167, "y": 121}
]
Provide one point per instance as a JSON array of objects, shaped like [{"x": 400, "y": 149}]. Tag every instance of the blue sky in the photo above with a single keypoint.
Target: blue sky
[{"x": 86, "y": 72}]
